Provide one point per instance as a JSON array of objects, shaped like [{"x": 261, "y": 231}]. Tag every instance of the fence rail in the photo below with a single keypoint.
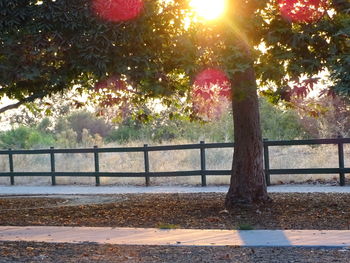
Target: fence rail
[{"x": 203, "y": 172}]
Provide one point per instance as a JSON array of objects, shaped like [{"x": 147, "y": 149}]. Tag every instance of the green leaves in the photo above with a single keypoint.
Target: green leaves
[{"x": 59, "y": 44}]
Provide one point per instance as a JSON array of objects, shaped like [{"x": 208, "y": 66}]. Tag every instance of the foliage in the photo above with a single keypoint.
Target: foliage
[
  {"x": 78, "y": 121},
  {"x": 25, "y": 138},
  {"x": 52, "y": 108},
  {"x": 162, "y": 129},
  {"x": 129, "y": 130},
  {"x": 277, "y": 124},
  {"x": 88, "y": 140},
  {"x": 325, "y": 117},
  {"x": 84, "y": 129},
  {"x": 67, "y": 139},
  {"x": 66, "y": 44},
  {"x": 44, "y": 125}
]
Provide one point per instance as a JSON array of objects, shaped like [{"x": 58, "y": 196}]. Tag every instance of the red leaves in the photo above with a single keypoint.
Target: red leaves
[
  {"x": 303, "y": 11},
  {"x": 328, "y": 93},
  {"x": 113, "y": 83},
  {"x": 117, "y": 10},
  {"x": 211, "y": 93},
  {"x": 114, "y": 96},
  {"x": 210, "y": 77},
  {"x": 299, "y": 89},
  {"x": 107, "y": 90},
  {"x": 109, "y": 101}
]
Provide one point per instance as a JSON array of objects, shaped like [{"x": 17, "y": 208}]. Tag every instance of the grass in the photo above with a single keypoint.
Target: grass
[
  {"x": 167, "y": 226},
  {"x": 280, "y": 157},
  {"x": 245, "y": 227}
]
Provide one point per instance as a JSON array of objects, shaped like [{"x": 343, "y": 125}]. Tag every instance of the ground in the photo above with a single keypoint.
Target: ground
[
  {"x": 196, "y": 210},
  {"x": 56, "y": 253},
  {"x": 199, "y": 210}
]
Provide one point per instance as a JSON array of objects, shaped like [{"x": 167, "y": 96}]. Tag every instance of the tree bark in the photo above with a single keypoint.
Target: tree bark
[{"x": 248, "y": 184}]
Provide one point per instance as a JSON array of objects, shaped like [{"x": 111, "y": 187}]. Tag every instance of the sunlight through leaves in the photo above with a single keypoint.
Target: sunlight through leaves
[{"x": 211, "y": 93}]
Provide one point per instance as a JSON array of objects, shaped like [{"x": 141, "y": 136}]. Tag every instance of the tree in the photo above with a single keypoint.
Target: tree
[
  {"x": 49, "y": 46},
  {"x": 325, "y": 117}
]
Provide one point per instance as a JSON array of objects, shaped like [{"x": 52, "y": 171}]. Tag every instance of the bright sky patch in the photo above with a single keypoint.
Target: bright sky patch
[{"x": 208, "y": 9}]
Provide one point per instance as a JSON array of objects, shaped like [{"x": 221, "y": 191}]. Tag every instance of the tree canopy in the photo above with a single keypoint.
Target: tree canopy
[{"x": 49, "y": 46}]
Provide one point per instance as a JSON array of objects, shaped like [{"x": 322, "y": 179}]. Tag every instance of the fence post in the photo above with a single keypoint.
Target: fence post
[
  {"x": 12, "y": 177},
  {"x": 202, "y": 149},
  {"x": 267, "y": 162},
  {"x": 97, "y": 165},
  {"x": 52, "y": 158},
  {"x": 341, "y": 161},
  {"x": 145, "y": 153}
]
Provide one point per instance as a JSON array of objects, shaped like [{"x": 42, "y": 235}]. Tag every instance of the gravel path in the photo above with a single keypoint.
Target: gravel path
[{"x": 45, "y": 190}]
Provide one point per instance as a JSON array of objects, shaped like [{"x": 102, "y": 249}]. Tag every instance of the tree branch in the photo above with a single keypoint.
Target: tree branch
[{"x": 22, "y": 101}]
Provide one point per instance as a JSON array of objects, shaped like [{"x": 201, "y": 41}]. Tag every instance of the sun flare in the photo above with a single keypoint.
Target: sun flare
[{"x": 208, "y": 9}]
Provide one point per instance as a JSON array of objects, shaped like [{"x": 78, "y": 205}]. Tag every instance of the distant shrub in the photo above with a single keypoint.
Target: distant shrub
[
  {"x": 25, "y": 138},
  {"x": 277, "y": 124},
  {"x": 78, "y": 121},
  {"x": 130, "y": 130},
  {"x": 66, "y": 139},
  {"x": 44, "y": 125}
]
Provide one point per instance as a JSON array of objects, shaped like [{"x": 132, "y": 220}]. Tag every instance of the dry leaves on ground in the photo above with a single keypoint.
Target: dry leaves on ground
[{"x": 200, "y": 210}]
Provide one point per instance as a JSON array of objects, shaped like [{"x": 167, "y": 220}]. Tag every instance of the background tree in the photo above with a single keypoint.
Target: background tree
[{"x": 49, "y": 46}]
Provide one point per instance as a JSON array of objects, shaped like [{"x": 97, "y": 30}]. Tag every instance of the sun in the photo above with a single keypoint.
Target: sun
[{"x": 208, "y": 9}]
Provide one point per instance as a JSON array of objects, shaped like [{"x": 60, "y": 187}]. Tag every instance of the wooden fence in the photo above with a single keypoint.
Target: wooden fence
[{"x": 203, "y": 172}]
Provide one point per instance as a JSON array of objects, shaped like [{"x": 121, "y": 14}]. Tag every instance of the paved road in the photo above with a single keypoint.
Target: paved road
[
  {"x": 46, "y": 190},
  {"x": 177, "y": 237}
]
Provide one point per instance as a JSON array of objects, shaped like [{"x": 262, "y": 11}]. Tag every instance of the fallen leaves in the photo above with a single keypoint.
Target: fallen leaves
[
  {"x": 200, "y": 210},
  {"x": 89, "y": 252}
]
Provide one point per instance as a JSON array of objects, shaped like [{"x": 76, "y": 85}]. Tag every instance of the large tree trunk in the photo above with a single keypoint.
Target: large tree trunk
[{"x": 248, "y": 183}]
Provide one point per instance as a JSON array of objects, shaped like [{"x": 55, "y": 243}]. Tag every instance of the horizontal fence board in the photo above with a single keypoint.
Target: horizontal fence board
[
  {"x": 173, "y": 147},
  {"x": 307, "y": 142},
  {"x": 75, "y": 174},
  {"x": 310, "y": 171},
  {"x": 175, "y": 173},
  {"x": 219, "y": 145},
  {"x": 217, "y": 172},
  {"x": 82, "y": 150},
  {"x": 120, "y": 149},
  {"x": 43, "y": 151},
  {"x": 104, "y": 174}
]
